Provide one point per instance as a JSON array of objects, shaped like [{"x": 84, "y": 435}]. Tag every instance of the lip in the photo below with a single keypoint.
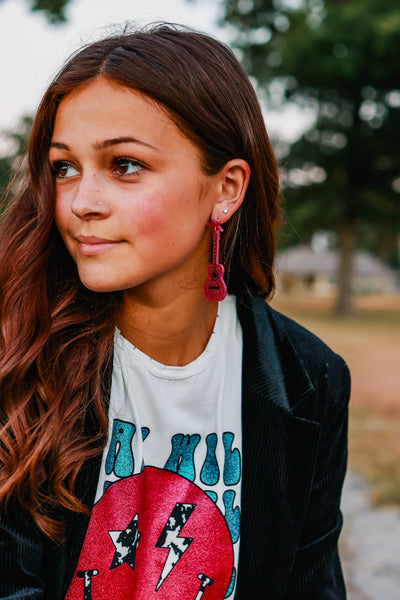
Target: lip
[{"x": 91, "y": 245}]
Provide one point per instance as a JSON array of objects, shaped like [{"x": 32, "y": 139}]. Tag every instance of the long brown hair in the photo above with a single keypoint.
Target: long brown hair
[{"x": 56, "y": 337}]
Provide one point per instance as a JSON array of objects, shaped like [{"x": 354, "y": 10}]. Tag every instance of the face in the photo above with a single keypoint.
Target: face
[{"x": 132, "y": 202}]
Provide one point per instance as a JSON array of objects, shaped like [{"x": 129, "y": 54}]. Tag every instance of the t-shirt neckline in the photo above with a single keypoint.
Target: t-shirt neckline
[{"x": 124, "y": 348}]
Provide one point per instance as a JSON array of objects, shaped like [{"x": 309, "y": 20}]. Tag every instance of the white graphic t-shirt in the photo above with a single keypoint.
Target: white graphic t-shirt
[{"x": 166, "y": 519}]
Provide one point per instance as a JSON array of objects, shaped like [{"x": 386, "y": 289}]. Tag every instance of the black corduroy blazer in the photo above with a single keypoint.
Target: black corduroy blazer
[{"x": 295, "y": 394}]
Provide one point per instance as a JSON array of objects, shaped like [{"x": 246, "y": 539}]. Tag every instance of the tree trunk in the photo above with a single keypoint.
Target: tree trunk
[{"x": 346, "y": 244}]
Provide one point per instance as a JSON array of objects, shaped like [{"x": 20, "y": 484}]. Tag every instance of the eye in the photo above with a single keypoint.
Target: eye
[
  {"x": 63, "y": 170},
  {"x": 126, "y": 166}
]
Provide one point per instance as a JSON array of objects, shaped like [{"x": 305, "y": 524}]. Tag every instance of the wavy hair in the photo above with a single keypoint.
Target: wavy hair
[{"x": 56, "y": 337}]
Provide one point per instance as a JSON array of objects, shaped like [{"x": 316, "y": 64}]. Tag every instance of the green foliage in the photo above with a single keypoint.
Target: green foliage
[
  {"x": 5, "y": 173},
  {"x": 341, "y": 60},
  {"x": 12, "y": 163},
  {"x": 53, "y": 9}
]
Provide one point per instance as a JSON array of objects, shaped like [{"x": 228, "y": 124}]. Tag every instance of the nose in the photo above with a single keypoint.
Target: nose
[{"x": 89, "y": 201}]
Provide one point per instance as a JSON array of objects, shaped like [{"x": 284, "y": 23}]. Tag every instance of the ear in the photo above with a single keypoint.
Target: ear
[{"x": 233, "y": 180}]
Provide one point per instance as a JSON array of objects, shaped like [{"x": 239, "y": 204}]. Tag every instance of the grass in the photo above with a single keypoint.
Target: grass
[{"x": 369, "y": 341}]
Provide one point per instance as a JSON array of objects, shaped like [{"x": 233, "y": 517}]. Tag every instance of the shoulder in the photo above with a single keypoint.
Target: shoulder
[
  {"x": 316, "y": 355},
  {"x": 300, "y": 353},
  {"x": 309, "y": 345},
  {"x": 256, "y": 312}
]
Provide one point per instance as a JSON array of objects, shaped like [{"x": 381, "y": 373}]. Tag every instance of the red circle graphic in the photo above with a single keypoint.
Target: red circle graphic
[{"x": 140, "y": 512}]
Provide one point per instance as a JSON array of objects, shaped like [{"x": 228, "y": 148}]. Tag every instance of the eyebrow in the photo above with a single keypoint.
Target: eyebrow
[{"x": 107, "y": 143}]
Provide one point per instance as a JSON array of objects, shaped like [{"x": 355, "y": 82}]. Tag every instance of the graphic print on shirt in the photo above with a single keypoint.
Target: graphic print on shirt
[{"x": 157, "y": 534}]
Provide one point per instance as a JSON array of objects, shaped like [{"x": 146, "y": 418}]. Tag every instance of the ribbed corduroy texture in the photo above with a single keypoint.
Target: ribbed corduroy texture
[{"x": 295, "y": 394}]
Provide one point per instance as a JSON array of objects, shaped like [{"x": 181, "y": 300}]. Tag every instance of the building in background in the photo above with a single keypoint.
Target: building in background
[{"x": 311, "y": 268}]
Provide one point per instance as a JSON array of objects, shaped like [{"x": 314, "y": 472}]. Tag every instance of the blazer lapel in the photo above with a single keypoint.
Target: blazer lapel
[{"x": 278, "y": 451}]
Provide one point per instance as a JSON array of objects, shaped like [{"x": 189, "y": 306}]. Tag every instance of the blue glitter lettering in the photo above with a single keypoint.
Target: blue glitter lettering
[
  {"x": 232, "y": 515},
  {"x": 231, "y": 584},
  {"x": 120, "y": 456},
  {"x": 209, "y": 474},
  {"x": 181, "y": 459},
  {"x": 232, "y": 460}
]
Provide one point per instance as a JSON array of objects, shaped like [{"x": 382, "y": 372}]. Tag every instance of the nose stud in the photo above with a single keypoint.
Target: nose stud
[{"x": 99, "y": 203}]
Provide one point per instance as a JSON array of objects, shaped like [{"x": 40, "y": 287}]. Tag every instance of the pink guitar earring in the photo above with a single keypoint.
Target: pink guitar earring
[{"x": 215, "y": 286}]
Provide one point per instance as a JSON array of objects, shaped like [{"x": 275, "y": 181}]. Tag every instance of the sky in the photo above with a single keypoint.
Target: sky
[{"x": 32, "y": 50}]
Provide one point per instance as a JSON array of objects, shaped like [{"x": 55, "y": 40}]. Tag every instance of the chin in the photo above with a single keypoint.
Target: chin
[
  {"x": 102, "y": 285},
  {"x": 98, "y": 284},
  {"x": 100, "y": 288}
]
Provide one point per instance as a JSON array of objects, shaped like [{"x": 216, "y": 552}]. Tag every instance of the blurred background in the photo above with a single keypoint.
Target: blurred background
[{"x": 327, "y": 73}]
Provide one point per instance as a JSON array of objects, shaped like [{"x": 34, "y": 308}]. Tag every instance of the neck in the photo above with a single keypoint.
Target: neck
[{"x": 173, "y": 329}]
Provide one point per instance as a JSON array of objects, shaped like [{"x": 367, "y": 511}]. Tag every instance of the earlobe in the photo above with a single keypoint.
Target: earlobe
[{"x": 233, "y": 182}]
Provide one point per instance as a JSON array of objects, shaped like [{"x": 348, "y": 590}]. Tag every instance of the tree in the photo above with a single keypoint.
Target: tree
[
  {"x": 53, "y": 9},
  {"x": 11, "y": 164},
  {"x": 55, "y": 13},
  {"x": 5, "y": 173},
  {"x": 340, "y": 59}
]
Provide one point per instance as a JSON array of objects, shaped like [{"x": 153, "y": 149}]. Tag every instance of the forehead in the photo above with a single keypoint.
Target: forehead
[{"x": 109, "y": 105}]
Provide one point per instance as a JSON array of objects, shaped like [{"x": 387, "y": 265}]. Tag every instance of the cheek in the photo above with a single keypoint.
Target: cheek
[
  {"x": 140, "y": 217},
  {"x": 165, "y": 223},
  {"x": 176, "y": 204},
  {"x": 151, "y": 214}
]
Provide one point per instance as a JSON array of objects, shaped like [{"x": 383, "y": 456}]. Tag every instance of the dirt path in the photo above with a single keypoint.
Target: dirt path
[{"x": 370, "y": 545}]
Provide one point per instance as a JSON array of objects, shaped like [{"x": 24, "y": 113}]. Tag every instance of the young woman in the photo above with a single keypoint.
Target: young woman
[{"x": 158, "y": 439}]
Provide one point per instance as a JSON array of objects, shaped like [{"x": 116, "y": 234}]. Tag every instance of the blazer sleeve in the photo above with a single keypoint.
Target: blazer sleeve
[
  {"x": 21, "y": 557},
  {"x": 317, "y": 573}
]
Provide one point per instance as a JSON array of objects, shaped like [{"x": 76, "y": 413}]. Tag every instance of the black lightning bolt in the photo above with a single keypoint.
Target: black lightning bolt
[{"x": 169, "y": 538}]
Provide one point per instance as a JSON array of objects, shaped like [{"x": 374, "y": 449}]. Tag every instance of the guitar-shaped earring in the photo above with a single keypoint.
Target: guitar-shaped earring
[{"x": 215, "y": 286}]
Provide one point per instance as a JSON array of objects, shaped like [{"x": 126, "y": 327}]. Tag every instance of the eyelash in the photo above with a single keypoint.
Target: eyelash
[
  {"x": 117, "y": 162},
  {"x": 56, "y": 167}
]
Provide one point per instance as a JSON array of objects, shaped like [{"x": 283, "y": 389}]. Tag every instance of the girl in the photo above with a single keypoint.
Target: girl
[{"x": 159, "y": 440}]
